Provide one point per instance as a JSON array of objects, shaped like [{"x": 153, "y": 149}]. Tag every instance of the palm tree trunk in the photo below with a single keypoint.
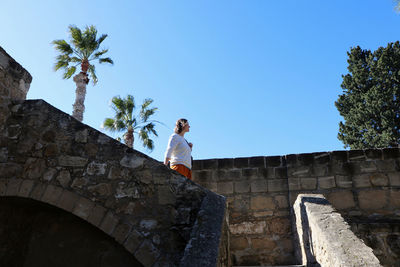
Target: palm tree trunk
[
  {"x": 128, "y": 137},
  {"x": 81, "y": 81}
]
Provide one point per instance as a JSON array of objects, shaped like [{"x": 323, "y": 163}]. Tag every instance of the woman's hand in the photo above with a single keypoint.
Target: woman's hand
[{"x": 190, "y": 145}]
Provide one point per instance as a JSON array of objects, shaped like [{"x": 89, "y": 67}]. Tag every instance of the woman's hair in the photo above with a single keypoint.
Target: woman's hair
[{"x": 179, "y": 125}]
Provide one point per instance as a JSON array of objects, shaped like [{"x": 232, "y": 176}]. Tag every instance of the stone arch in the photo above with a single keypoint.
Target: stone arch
[{"x": 94, "y": 213}]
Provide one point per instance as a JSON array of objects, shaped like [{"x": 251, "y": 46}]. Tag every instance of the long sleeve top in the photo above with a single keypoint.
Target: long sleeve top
[{"x": 179, "y": 151}]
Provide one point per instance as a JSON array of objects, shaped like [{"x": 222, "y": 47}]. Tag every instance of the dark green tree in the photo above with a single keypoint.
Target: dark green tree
[
  {"x": 125, "y": 120},
  {"x": 370, "y": 103}
]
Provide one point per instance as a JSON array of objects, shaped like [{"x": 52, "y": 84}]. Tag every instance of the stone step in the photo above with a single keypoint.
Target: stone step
[{"x": 272, "y": 266}]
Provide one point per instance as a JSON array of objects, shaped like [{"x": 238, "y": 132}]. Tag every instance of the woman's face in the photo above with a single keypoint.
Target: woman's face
[{"x": 186, "y": 128}]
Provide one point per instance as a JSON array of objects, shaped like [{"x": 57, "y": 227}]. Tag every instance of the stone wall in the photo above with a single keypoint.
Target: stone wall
[
  {"x": 325, "y": 239},
  {"x": 155, "y": 214},
  {"x": 262, "y": 190}
]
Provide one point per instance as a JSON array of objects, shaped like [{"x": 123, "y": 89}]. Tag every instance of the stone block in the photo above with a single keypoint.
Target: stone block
[
  {"x": 241, "y": 162},
  {"x": 49, "y": 174},
  {"x": 250, "y": 173},
  {"x": 342, "y": 200},
  {"x": 101, "y": 190},
  {"x": 248, "y": 228},
  {"x": 259, "y": 214},
  {"x": 389, "y": 165},
  {"x": 52, "y": 194},
  {"x": 356, "y": 155},
  {"x": 282, "y": 201},
  {"x": 210, "y": 164},
  {"x": 67, "y": 200},
  {"x": 96, "y": 168},
  {"x": 64, "y": 178},
  {"x": 322, "y": 158},
  {"x": 258, "y": 186},
  {"x": 278, "y": 185},
  {"x": 147, "y": 254},
  {"x": 3, "y": 154},
  {"x": 241, "y": 187},
  {"x": 26, "y": 188},
  {"x": 294, "y": 184},
  {"x": 225, "y": 188},
  {"x": 299, "y": 171},
  {"x": 257, "y": 162},
  {"x": 51, "y": 150},
  {"x": 109, "y": 223},
  {"x": 71, "y": 161},
  {"x": 197, "y": 165},
  {"x": 203, "y": 176},
  {"x": 133, "y": 241},
  {"x": 326, "y": 182},
  {"x": 373, "y": 153},
  {"x": 262, "y": 203},
  {"x": 91, "y": 150},
  {"x": 320, "y": 170},
  {"x": 344, "y": 181},
  {"x": 364, "y": 167},
  {"x": 291, "y": 160},
  {"x": 280, "y": 173},
  {"x": 274, "y": 161},
  {"x": 38, "y": 191},
  {"x": 96, "y": 215},
  {"x": 390, "y": 153},
  {"x": 225, "y": 163},
  {"x": 263, "y": 243},
  {"x": 394, "y": 178},
  {"x": 305, "y": 159},
  {"x": 379, "y": 179},
  {"x": 361, "y": 181},
  {"x": 83, "y": 208},
  {"x": 395, "y": 198},
  {"x": 308, "y": 183},
  {"x": 240, "y": 203},
  {"x": 13, "y": 186},
  {"x": 81, "y": 136},
  {"x": 121, "y": 232},
  {"x": 238, "y": 243},
  {"x": 372, "y": 199},
  {"x": 34, "y": 168},
  {"x": 279, "y": 226}
]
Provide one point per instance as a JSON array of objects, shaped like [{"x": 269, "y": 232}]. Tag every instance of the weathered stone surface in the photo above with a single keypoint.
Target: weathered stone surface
[
  {"x": 342, "y": 200},
  {"x": 344, "y": 181},
  {"x": 67, "y": 200},
  {"x": 241, "y": 187},
  {"x": 361, "y": 181},
  {"x": 3, "y": 154},
  {"x": 26, "y": 188},
  {"x": 225, "y": 188},
  {"x": 79, "y": 183},
  {"x": 308, "y": 183},
  {"x": 326, "y": 182},
  {"x": 278, "y": 185},
  {"x": 133, "y": 241},
  {"x": 372, "y": 199},
  {"x": 72, "y": 161},
  {"x": 248, "y": 228},
  {"x": 81, "y": 136},
  {"x": 239, "y": 243},
  {"x": 282, "y": 201},
  {"x": 83, "y": 208},
  {"x": 64, "y": 178},
  {"x": 101, "y": 190},
  {"x": 95, "y": 168},
  {"x": 147, "y": 254},
  {"x": 52, "y": 194},
  {"x": 395, "y": 198},
  {"x": 258, "y": 186},
  {"x": 132, "y": 161},
  {"x": 262, "y": 203},
  {"x": 49, "y": 174},
  {"x": 394, "y": 178},
  {"x": 9, "y": 170},
  {"x": 121, "y": 232},
  {"x": 34, "y": 168},
  {"x": 379, "y": 179},
  {"x": 13, "y": 187},
  {"x": 264, "y": 243}
]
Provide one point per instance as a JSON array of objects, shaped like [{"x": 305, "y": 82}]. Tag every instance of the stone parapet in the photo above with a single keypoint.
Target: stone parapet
[{"x": 324, "y": 237}]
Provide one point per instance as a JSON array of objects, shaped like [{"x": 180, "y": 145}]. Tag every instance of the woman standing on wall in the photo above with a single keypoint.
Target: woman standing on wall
[{"x": 179, "y": 151}]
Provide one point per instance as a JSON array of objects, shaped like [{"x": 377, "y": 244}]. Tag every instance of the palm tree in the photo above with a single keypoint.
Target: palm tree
[
  {"x": 125, "y": 120},
  {"x": 85, "y": 48}
]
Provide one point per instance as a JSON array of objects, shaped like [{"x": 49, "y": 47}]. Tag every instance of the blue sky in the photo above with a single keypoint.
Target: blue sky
[{"x": 254, "y": 77}]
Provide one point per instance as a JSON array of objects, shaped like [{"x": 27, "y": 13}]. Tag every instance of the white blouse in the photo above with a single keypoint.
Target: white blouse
[{"x": 179, "y": 151}]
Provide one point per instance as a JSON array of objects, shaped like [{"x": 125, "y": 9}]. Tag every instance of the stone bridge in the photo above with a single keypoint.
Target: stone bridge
[{"x": 72, "y": 196}]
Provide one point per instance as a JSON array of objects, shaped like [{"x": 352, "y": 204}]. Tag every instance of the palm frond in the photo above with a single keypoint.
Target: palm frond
[
  {"x": 101, "y": 39},
  {"x": 129, "y": 104},
  {"x": 108, "y": 124},
  {"x": 62, "y": 46},
  {"x": 147, "y": 142},
  {"x": 98, "y": 54},
  {"x": 69, "y": 72},
  {"x": 92, "y": 72},
  {"x": 76, "y": 36},
  {"x": 106, "y": 60}
]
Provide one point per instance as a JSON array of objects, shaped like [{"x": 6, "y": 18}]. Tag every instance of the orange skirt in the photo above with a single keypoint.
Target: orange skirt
[{"x": 182, "y": 169}]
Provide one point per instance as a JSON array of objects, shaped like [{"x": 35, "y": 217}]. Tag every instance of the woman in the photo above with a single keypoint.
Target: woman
[{"x": 179, "y": 151}]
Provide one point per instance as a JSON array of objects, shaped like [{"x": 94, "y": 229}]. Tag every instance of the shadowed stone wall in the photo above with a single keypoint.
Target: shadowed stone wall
[
  {"x": 155, "y": 214},
  {"x": 361, "y": 184}
]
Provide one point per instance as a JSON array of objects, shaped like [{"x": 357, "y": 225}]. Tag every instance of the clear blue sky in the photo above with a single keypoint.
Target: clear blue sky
[{"x": 254, "y": 77}]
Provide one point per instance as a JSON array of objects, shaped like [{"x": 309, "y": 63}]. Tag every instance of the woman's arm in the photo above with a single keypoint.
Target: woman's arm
[{"x": 172, "y": 142}]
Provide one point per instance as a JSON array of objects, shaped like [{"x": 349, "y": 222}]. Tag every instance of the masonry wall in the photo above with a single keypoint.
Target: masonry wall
[{"x": 261, "y": 191}]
